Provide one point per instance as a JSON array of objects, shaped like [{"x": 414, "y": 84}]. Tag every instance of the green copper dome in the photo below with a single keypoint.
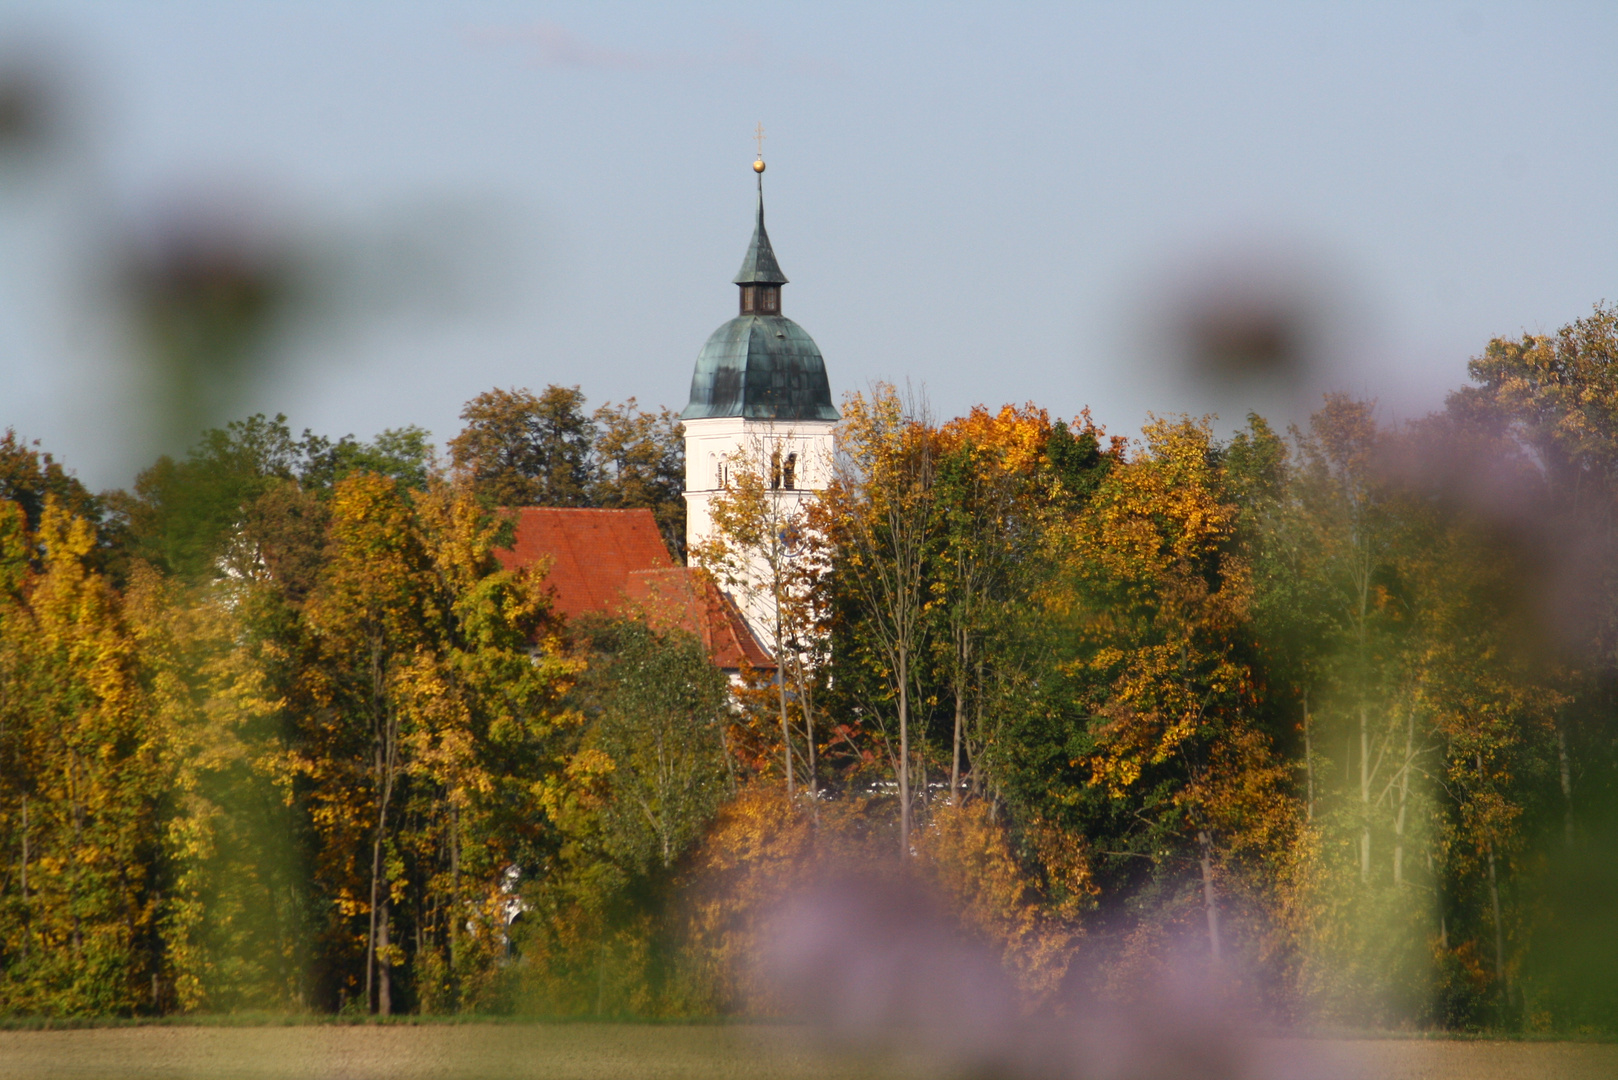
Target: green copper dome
[
  {"x": 760, "y": 365},
  {"x": 763, "y": 367}
]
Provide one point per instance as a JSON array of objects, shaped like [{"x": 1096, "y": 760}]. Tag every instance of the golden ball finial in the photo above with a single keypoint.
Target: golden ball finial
[{"x": 758, "y": 166}]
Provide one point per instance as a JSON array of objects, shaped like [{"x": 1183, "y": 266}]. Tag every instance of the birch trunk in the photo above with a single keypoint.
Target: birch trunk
[
  {"x": 1365, "y": 796},
  {"x": 955, "y": 762},
  {"x": 781, "y": 685},
  {"x": 1404, "y": 798},
  {"x": 904, "y": 753}
]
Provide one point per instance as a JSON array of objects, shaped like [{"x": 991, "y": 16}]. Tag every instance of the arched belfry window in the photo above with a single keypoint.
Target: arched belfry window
[
  {"x": 789, "y": 472},
  {"x": 775, "y": 470}
]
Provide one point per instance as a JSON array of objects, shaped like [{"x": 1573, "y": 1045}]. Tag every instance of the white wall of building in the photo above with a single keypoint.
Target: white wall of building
[{"x": 711, "y": 445}]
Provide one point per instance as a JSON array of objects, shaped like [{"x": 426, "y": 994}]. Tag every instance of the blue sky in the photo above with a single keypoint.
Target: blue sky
[{"x": 993, "y": 204}]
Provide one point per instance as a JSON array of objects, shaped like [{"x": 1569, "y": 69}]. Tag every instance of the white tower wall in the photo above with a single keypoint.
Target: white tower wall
[{"x": 714, "y": 445}]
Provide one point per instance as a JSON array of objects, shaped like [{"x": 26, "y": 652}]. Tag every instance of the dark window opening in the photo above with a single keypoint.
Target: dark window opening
[
  {"x": 789, "y": 472},
  {"x": 761, "y": 299},
  {"x": 775, "y": 470}
]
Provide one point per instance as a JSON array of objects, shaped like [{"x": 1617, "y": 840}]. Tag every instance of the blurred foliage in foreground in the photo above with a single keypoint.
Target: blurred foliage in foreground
[{"x": 1330, "y": 713}]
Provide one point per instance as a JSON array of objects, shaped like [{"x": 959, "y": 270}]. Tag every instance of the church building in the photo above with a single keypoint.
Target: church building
[{"x": 759, "y": 393}]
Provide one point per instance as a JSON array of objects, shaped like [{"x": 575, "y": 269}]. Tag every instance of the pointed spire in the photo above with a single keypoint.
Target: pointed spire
[{"x": 760, "y": 267}]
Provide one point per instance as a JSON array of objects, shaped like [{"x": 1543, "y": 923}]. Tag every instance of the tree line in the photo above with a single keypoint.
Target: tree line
[{"x": 1326, "y": 710}]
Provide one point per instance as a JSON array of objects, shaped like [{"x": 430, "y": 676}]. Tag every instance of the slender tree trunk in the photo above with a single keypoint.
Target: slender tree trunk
[
  {"x": 904, "y": 752},
  {"x": 370, "y": 938},
  {"x": 1363, "y": 584},
  {"x": 1308, "y": 761},
  {"x": 384, "y": 967},
  {"x": 379, "y": 770},
  {"x": 781, "y": 685},
  {"x": 1566, "y": 772},
  {"x": 955, "y": 762},
  {"x": 78, "y": 837},
  {"x": 387, "y": 765},
  {"x": 455, "y": 897},
  {"x": 1438, "y": 895},
  {"x": 1210, "y": 899},
  {"x": 26, "y": 933},
  {"x": 809, "y": 731},
  {"x": 800, "y": 679},
  {"x": 1499, "y": 930},
  {"x": 601, "y": 976},
  {"x": 421, "y": 947},
  {"x": 976, "y": 748},
  {"x": 1365, "y": 795},
  {"x": 1404, "y": 799},
  {"x": 730, "y": 764},
  {"x": 919, "y": 784}
]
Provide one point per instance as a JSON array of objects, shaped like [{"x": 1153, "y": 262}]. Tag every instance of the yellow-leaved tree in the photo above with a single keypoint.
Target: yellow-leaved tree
[
  {"x": 79, "y": 774},
  {"x": 431, "y": 720}
]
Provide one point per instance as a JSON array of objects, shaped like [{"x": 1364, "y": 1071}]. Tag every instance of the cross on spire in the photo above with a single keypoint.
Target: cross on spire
[{"x": 758, "y": 136}]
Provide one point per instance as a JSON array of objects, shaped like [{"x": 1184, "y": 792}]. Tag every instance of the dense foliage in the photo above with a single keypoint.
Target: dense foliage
[{"x": 1327, "y": 711}]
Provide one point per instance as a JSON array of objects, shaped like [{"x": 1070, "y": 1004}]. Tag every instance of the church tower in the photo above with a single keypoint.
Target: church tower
[{"x": 759, "y": 389}]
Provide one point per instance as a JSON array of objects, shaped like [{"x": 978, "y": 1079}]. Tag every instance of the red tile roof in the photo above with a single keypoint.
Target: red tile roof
[
  {"x": 614, "y": 562},
  {"x": 687, "y": 598},
  {"x": 592, "y": 552}
]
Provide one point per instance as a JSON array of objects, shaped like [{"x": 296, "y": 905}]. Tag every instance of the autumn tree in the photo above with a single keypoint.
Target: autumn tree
[
  {"x": 768, "y": 548},
  {"x": 186, "y": 515},
  {"x": 81, "y": 777},
  {"x": 425, "y": 701},
  {"x": 638, "y": 460},
  {"x": 525, "y": 449},
  {"x": 655, "y": 706},
  {"x": 882, "y": 520},
  {"x": 29, "y": 476},
  {"x": 1556, "y": 397},
  {"x": 236, "y": 916},
  {"x": 1145, "y": 735},
  {"x": 991, "y": 473},
  {"x": 643, "y": 776}
]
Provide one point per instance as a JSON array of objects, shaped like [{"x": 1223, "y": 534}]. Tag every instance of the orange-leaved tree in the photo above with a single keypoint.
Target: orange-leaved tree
[{"x": 1157, "y": 603}]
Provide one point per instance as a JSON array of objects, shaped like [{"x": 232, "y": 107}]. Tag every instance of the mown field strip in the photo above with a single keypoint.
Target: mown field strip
[
  {"x": 552, "y": 1051},
  {"x": 645, "y": 1052}
]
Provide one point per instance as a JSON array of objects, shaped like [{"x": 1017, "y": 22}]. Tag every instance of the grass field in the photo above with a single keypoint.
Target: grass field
[{"x": 634, "y": 1052}]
